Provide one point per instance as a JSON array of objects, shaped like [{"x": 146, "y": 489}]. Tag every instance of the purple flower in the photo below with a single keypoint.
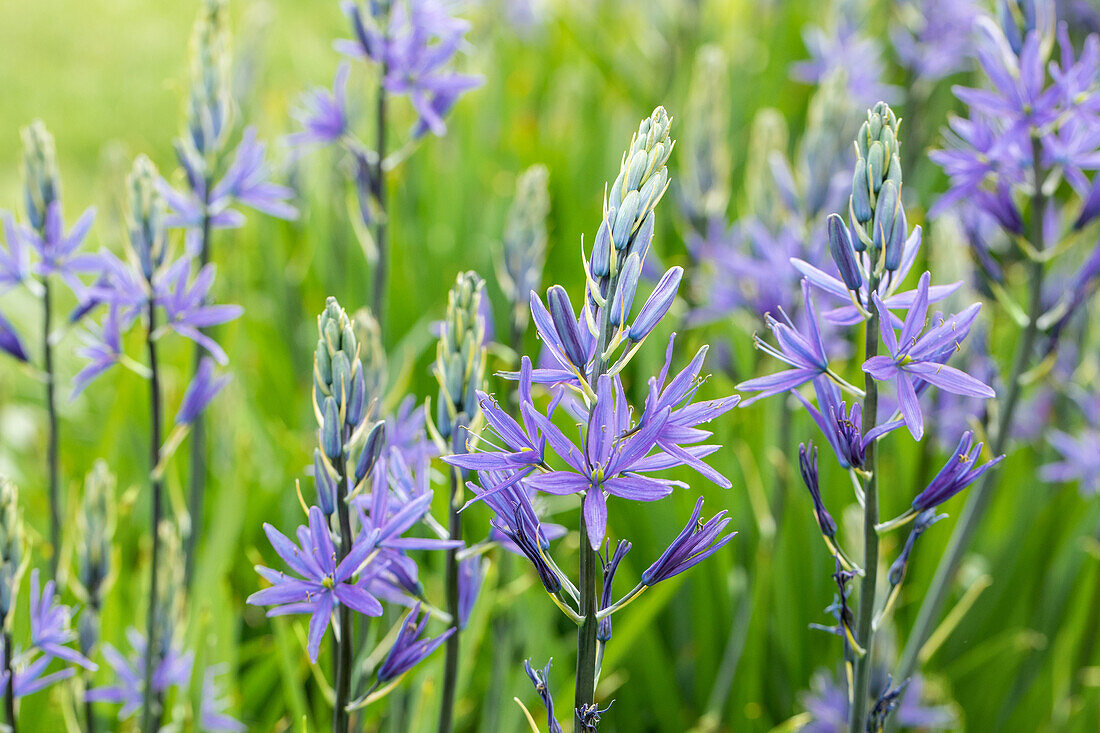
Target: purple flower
[
  {"x": 323, "y": 584},
  {"x": 849, "y": 315},
  {"x": 185, "y": 304},
  {"x": 804, "y": 352},
  {"x": 10, "y": 341},
  {"x": 247, "y": 181},
  {"x": 203, "y": 388},
  {"x": 827, "y": 702},
  {"x": 15, "y": 262},
  {"x": 841, "y": 426},
  {"x": 1080, "y": 460},
  {"x": 323, "y": 115},
  {"x": 212, "y": 715},
  {"x": 102, "y": 349},
  {"x": 541, "y": 680},
  {"x": 846, "y": 50},
  {"x": 50, "y": 625},
  {"x": 614, "y": 452},
  {"x": 696, "y": 542},
  {"x": 938, "y": 41},
  {"x": 409, "y": 649},
  {"x": 921, "y": 357},
  {"x": 173, "y": 670},
  {"x": 415, "y": 50},
  {"x": 960, "y": 471},
  {"x": 807, "y": 465},
  {"x": 610, "y": 565},
  {"x": 57, "y": 251},
  {"x": 471, "y": 574}
]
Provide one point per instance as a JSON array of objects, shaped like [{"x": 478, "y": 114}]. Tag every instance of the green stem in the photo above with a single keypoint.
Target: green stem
[
  {"x": 864, "y": 627},
  {"x": 503, "y": 648},
  {"x": 53, "y": 439},
  {"x": 151, "y": 701},
  {"x": 450, "y": 669},
  {"x": 9, "y": 688},
  {"x": 978, "y": 502},
  {"x": 340, "y": 719},
  {"x": 196, "y": 496},
  {"x": 589, "y": 587}
]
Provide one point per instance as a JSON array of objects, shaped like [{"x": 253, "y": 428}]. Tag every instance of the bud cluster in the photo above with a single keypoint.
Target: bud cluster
[
  {"x": 43, "y": 186},
  {"x": 627, "y": 227},
  {"x": 210, "y": 103},
  {"x": 460, "y": 355},
  {"x": 525, "y": 238},
  {"x": 371, "y": 352},
  {"x": 12, "y": 545},
  {"x": 147, "y": 209},
  {"x": 874, "y": 208},
  {"x": 95, "y": 527}
]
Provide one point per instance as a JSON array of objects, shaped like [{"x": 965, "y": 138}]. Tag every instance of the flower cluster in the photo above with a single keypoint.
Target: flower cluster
[
  {"x": 872, "y": 252},
  {"x": 620, "y": 448},
  {"x": 353, "y": 551}
]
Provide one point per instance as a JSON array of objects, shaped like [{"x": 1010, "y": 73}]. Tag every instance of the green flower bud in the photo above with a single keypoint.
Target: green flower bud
[
  {"x": 12, "y": 546},
  {"x": 42, "y": 185},
  {"x": 460, "y": 354}
]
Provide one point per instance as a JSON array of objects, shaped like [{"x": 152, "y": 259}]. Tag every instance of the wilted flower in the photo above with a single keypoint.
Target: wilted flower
[
  {"x": 541, "y": 680},
  {"x": 960, "y": 471},
  {"x": 409, "y": 649}
]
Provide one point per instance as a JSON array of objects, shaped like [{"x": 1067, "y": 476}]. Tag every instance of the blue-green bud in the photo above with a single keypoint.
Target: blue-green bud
[
  {"x": 147, "y": 234},
  {"x": 325, "y": 483},
  {"x": 12, "y": 545},
  {"x": 372, "y": 448},
  {"x": 460, "y": 354},
  {"x": 42, "y": 185},
  {"x": 332, "y": 442}
]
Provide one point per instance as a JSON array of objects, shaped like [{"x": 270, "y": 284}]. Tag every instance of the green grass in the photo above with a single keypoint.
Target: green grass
[{"x": 108, "y": 79}]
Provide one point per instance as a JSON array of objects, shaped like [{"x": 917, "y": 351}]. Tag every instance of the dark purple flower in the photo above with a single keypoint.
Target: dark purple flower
[
  {"x": 696, "y": 542},
  {"x": 323, "y": 584},
  {"x": 203, "y": 388},
  {"x": 541, "y": 680},
  {"x": 921, "y": 523},
  {"x": 10, "y": 341},
  {"x": 840, "y": 425},
  {"x": 914, "y": 356},
  {"x": 409, "y": 649},
  {"x": 173, "y": 670},
  {"x": 610, "y": 565},
  {"x": 807, "y": 465},
  {"x": 960, "y": 471}
]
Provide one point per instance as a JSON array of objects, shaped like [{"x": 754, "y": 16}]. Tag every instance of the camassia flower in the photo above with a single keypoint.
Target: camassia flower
[
  {"x": 323, "y": 584},
  {"x": 173, "y": 670},
  {"x": 410, "y": 649},
  {"x": 914, "y": 357}
]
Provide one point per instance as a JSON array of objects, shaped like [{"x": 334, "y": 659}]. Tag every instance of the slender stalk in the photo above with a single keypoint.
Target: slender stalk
[
  {"x": 450, "y": 669},
  {"x": 980, "y": 495},
  {"x": 151, "y": 701},
  {"x": 503, "y": 647},
  {"x": 53, "y": 439},
  {"x": 9, "y": 688},
  {"x": 340, "y": 720},
  {"x": 864, "y": 628},
  {"x": 589, "y": 586},
  {"x": 197, "y": 493},
  {"x": 381, "y": 268}
]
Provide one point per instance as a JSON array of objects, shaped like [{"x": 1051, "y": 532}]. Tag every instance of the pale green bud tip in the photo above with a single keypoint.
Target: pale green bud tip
[{"x": 40, "y": 171}]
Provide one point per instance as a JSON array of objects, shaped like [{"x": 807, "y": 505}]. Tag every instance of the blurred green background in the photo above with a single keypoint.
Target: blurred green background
[{"x": 109, "y": 79}]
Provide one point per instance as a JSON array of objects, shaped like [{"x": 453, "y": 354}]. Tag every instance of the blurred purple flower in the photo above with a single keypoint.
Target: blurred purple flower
[
  {"x": 935, "y": 38},
  {"x": 185, "y": 304},
  {"x": 204, "y": 387},
  {"x": 1079, "y": 460},
  {"x": 827, "y": 702},
  {"x": 212, "y": 715},
  {"x": 471, "y": 573},
  {"x": 845, "y": 50},
  {"x": 174, "y": 670},
  {"x": 10, "y": 341},
  {"x": 322, "y": 114}
]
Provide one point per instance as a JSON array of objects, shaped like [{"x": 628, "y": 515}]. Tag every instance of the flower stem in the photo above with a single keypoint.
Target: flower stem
[
  {"x": 589, "y": 582},
  {"x": 9, "y": 688},
  {"x": 340, "y": 719},
  {"x": 381, "y": 267},
  {"x": 450, "y": 669},
  {"x": 151, "y": 701},
  {"x": 195, "y": 499},
  {"x": 864, "y": 628},
  {"x": 504, "y": 651},
  {"x": 980, "y": 495},
  {"x": 53, "y": 439}
]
